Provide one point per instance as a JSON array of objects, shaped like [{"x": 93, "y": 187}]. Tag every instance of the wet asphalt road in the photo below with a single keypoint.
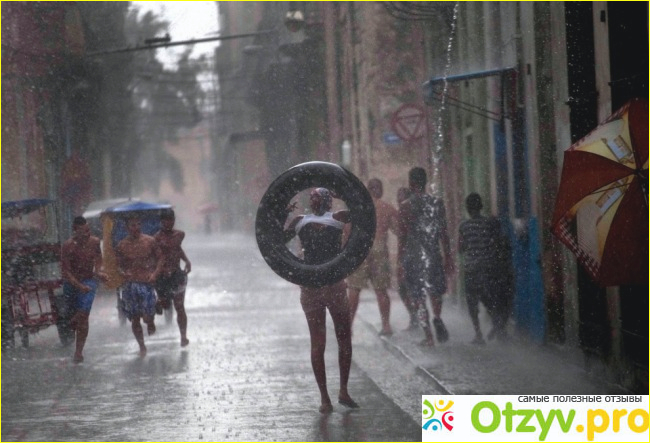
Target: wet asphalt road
[{"x": 246, "y": 375}]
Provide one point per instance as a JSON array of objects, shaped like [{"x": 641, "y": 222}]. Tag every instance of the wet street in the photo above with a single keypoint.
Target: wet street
[
  {"x": 246, "y": 375},
  {"x": 510, "y": 139}
]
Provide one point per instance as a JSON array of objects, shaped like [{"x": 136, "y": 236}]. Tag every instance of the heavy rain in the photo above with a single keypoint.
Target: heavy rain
[{"x": 290, "y": 221}]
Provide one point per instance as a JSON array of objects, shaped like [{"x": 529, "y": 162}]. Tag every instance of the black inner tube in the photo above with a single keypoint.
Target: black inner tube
[{"x": 272, "y": 214}]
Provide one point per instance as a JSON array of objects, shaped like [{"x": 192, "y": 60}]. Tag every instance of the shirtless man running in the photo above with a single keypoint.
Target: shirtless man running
[
  {"x": 81, "y": 266},
  {"x": 376, "y": 267},
  {"x": 172, "y": 280},
  {"x": 139, "y": 261}
]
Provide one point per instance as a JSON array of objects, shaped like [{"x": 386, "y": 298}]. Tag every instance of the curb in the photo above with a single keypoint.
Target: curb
[{"x": 400, "y": 352}]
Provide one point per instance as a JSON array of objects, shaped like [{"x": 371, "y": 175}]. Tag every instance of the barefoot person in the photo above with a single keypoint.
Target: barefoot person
[
  {"x": 487, "y": 275},
  {"x": 139, "y": 262},
  {"x": 376, "y": 267},
  {"x": 411, "y": 306},
  {"x": 172, "y": 280},
  {"x": 423, "y": 233},
  {"x": 320, "y": 236},
  {"x": 81, "y": 266}
]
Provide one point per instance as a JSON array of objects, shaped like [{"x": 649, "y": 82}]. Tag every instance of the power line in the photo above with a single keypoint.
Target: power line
[{"x": 179, "y": 43}]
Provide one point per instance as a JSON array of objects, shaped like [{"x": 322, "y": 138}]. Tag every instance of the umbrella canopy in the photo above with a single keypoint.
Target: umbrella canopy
[
  {"x": 601, "y": 210},
  {"x": 136, "y": 206},
  {"x": 95, "y": 209}
]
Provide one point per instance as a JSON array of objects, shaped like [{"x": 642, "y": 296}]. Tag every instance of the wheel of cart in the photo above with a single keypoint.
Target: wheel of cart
[
  {"x": 32, "y": 289},
  {"x": 113, "y": 221},
  {"x": 34, "y": 306}
]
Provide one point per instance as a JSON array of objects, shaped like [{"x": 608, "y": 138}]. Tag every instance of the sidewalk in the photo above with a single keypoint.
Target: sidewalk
[{"x": 459, "y": 367}]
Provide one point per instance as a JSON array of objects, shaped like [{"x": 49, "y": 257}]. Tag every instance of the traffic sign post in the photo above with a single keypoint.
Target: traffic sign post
[{"x": 409, "y": 122}]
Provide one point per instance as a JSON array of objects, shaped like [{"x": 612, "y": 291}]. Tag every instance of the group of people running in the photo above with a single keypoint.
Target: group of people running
[
  {"x": 150, "y": 267},
  {"x": 153, "y": 276}
]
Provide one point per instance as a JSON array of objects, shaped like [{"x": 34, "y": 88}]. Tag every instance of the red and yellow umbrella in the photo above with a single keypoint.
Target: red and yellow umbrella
[{"x": 601, "y": 210}]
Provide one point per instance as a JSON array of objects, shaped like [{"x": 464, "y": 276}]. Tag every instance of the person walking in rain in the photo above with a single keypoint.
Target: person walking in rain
[
  {"x": 481, "y": 243},
  {"x": 411, "y": 306},
  {"x": 140, "y": 263},
  {"x": 172, "y": 281},
  {"x": 423, "y": 232},
  {"x": 376, "y": 267},
  {"x": 81, "y": 268},
  {"x": 320, "y": 235}
]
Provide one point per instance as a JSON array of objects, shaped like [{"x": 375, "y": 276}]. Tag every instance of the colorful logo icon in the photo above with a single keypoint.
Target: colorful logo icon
[{"x": 446, "y": 415}]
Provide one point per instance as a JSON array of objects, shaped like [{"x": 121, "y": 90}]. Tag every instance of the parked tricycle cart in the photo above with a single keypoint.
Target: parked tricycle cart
[{"x": 32, "y": 289}]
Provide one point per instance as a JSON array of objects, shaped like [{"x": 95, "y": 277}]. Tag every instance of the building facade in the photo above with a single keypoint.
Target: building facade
[
  {"x": 508, "y": 86},
  {"x": 486, "y": 96},
  {"x": 61, "y": 110}
]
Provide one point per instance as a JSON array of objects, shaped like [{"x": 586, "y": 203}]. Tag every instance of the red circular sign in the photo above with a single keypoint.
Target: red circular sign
[{"x": 409, "y": 122}]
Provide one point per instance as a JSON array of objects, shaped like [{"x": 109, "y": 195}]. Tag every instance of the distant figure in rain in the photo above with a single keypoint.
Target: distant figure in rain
[
  {"x": 411, "y": 305},
  {"x": 376, "y": 267},
  {"x": 487, "y": 272},
  {"x": 81, "y": 266},
  {"x": 139, "y": 262},
  {"x": 320, "y": 236},
  {"x": 172, "y": 280},
  {"x": 207, "y": 224},
  {"x": 423, "y": 231}
]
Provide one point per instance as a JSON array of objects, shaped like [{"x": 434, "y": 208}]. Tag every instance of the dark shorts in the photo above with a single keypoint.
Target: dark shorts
[
  {"x": 139, "y": 300},
  {"x": 80, "y": 301},
  {"x": 493, "y": 288},
  {"x": 171, "y": 285},
  {"x": 425, "y": 276},
  {"x": 478, "y": 284}
]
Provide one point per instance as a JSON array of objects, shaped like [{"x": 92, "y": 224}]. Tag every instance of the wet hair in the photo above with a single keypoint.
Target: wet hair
[
  {"x": 167, "y": 214},
  {"x": 79, "y": 220},
  {"x": 375, "y": 183},
  {"x": 418, "y": 177},
  {"x": 473, "y": 202},
  {"x": 325, "y": 198},
  {"x": 403, "y": 194}
]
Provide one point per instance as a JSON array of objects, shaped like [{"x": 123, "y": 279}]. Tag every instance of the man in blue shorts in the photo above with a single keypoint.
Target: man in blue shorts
[
  {"x": 81, "y": 266},
  {"x": 140, "y": 263}
]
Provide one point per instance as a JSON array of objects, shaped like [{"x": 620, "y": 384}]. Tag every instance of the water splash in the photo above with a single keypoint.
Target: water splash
[{"x": 439, "y": 139}]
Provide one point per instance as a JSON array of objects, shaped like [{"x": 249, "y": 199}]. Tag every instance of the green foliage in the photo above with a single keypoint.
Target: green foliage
[{"x": 165, "y": 100}]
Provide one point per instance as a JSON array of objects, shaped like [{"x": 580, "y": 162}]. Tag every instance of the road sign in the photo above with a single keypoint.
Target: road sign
[{"x": 409, "y": 122}]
